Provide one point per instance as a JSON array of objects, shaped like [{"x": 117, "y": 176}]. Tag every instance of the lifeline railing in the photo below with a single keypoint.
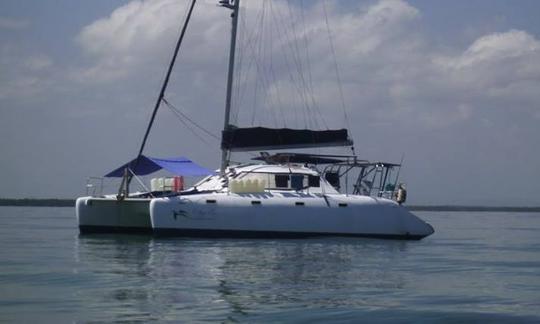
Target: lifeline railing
[
  {"x": 91, "y": 189},
  {"x": 94, "y": 185},
  {"x": 372, "y": 179}
]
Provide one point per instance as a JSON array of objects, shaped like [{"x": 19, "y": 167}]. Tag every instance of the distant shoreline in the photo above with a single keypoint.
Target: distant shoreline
[
  {"x": 53, "y": 202},
  {"x": 37, "y": 202},
  {"x": 457, "y": 208}
]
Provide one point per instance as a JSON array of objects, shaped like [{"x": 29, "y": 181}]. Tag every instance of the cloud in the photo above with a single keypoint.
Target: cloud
[
  {"x": 496, "y": 48},
  {"x": 496, "y": 69},
  {"x": 38, "y": 63},
  {"x": 140, "y": 31},
  {"x": 24, "y": 76},
  {"x": 143, "y": 33},
  {"x": 426, "y": 88},
  {"x": 443, "y": 106},
  {"x": 13, "y": 23},
  {"x": 364, "y": 32},
  {"x": 389, "y": 69}
]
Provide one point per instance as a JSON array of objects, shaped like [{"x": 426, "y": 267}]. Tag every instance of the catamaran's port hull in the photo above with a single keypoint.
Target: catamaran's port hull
[
  {"x": 108, "y": 215},
  {"x": 271, "y": 215}
]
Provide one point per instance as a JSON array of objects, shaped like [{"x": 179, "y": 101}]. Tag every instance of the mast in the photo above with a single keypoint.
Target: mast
[
  {"x": 234, "y": 6},
  {"x": 123, "y": 191}
]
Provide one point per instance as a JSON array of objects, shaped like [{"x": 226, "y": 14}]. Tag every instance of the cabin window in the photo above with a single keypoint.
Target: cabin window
[
  {"x": 294, "y": 181},
  {"x": 314, "y": 181},
  {"x": 282, "y": 181},
  {"x": 297, "y": 181},
  {"x": 333, "y": 179}
]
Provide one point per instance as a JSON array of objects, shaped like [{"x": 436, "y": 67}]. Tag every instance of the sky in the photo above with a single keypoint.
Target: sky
[{"x": 451, "y": 86}]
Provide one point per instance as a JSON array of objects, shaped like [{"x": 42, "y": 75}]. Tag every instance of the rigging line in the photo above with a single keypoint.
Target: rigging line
[
  {"x": 288, "y": 66},
  {"x": 241, "y": 68},
  {"x": 308, "y": 63},
  {"x": 301, "y": 85},
  {"x": 165, "y": 83},
  {"x": 179, "y": 115},
  {"x": 248, "y": 57},
  {"x": 255, "y": 93},
  {"x": 257, "y": 70},
  {"x": 241, "y": 71},
  {"x": 303, "y": 88},
  {"x": 256, "y": 86},
  {"x": 175, "y": 109},
  {"x": 286, "y": 40},
  {"x": 335, "y": 65},
  {"x": 274, "y": 93},
  {"x": 306, "y": 89},
  {"x": 297, "y": 84},
  {"x": 272, "y": 72},
  {"x": 255, "y": 51},
  {"x": 272, "y": 87},
  {"x": 237, "y": 73},
  {"x": 261, "y": 52},
  {"x": 295, "y": 53},
  {"x": 192, "y": 130},
  {"x": 160, "y": 97},
  {"x": 264, "y": 78},
  {"x": 265, "y": 74}
]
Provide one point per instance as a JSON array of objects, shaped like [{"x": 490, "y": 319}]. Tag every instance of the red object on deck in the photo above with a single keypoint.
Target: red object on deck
[{"x": 178, "y": 183}]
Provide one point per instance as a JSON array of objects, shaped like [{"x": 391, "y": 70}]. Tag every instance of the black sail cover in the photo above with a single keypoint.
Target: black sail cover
[{"x": 262, "y": 138}]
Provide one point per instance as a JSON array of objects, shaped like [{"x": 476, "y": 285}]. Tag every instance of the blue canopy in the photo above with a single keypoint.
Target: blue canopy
[{"x": 147, "y": 165}]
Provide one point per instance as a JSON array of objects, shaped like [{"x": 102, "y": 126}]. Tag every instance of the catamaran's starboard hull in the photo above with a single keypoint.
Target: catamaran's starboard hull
[
  {"x": 284, "y": 216},
  {"x": 108, "y": 215}
]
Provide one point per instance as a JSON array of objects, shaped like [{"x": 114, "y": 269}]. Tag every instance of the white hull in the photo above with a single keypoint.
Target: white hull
[
  {"x": 284, "y": 215},
  {"x": 98, "y": 215},
  {"x": 215, "y": 211}
]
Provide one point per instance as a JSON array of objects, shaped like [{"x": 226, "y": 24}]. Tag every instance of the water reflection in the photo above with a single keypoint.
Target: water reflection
[
  {"x": 479, "y": 267},
  {"x": 142, "y": 278}
]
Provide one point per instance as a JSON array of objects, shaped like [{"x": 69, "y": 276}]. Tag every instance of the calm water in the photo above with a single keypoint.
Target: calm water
[{"x": 477, "y": 267}]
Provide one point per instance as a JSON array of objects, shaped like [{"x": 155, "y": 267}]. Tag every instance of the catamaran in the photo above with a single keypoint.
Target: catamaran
[{"x": 275, "y": 195}]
